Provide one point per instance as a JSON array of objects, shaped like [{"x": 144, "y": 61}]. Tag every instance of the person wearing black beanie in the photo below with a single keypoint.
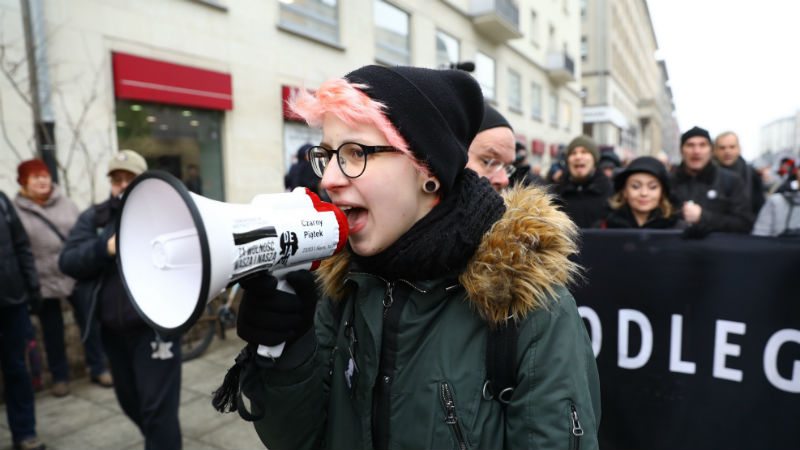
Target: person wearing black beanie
[
  {"x": 491, "y": 153},
  {"x": 709, "y": 198},
  {"x": 436, "y": 263}
]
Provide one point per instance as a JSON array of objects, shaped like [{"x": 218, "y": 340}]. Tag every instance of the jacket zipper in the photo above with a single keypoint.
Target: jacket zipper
[
  {"x": 388, "y": 299},
  {"x": 577, "y": 429},
  {"x": 450, "y": 417}
]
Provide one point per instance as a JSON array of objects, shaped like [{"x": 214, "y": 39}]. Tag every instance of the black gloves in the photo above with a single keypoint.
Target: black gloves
[{"x": 268, "y": 316}]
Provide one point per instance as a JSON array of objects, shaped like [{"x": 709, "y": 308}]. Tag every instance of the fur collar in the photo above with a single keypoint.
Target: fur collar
[{"x": 518, "y": 266}]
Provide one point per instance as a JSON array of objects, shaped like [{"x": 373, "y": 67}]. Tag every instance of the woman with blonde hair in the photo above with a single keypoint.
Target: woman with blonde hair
[
  {"x": 395, "y": 354},
  {"x": 641, "y": 198}
]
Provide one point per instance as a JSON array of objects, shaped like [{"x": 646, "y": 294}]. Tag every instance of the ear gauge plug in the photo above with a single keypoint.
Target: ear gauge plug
[{"x": 430, "y": 186}]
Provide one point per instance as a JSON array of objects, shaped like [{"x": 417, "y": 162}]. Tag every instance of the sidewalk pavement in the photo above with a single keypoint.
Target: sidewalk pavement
[{"x": 90, "y": 417}]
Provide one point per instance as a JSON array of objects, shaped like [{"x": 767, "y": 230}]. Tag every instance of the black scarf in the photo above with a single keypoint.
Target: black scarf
[{"x": 442, "y": 242}]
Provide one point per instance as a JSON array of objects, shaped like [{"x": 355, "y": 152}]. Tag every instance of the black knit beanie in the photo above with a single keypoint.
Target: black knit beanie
[
  {"x": 694, "y": 132},
  {"x": 438, "y": 112},
  {"x": 492, "y": 119}
]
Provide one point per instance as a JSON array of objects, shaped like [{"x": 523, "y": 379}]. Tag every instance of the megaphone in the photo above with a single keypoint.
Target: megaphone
[{"x": 177, "y": 250}]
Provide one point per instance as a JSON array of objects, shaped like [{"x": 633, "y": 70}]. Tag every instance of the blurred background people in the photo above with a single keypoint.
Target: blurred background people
[
  {"x": 780, "y": 215},
  {"x": 193, "y": 181},
  {"x": 641, "y": 198},
  {"x": 19, "y": 291},
  {"x": 584, "y": 191},
  {"x": 492, "y": 152},
  {"x": 609, "y": 163},
  {"x": 729, "y": 156},
  {"x": 301, "y": 173},
  {"x": 48, "y": 215},
  {"x": 710, "y": 198},
  {"x": 145, "y": 367},
  {"x": 524, "y": 173}
]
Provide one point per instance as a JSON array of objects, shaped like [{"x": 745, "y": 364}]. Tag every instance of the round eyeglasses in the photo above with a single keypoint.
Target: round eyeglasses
[
  {"x": 351, "y": 157},
  {"x": 493, "y": 166}
]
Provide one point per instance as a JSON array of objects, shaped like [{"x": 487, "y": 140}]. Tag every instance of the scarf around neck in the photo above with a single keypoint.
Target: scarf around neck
[{"x": 442, "y": 242}]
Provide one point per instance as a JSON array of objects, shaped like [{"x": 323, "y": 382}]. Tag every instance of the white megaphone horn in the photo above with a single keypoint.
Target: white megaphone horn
[{"x": 177, "y": 250}]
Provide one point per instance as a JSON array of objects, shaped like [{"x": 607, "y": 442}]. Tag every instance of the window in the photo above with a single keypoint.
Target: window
[
  {"x": 484, "y": 73},
  {"x": 566, "y": 115},
  {"x": 317, "y": 19},
  {"x": 536, "y": 101},
  {"x": 447, "y": 50},
  {"x": 184, "y": 141},
  {"x": 391, "y": 34},
  {"x": 554, "y": 109},
  {"x": 584, "y": 5},
  {"x": 584, "y": 48},
  {"x": 514, "y": 91},
  {"x": 534, "y": 28}
]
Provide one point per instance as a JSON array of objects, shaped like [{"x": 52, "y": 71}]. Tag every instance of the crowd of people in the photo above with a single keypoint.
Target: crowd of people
[{"x": 400, "y": 330}]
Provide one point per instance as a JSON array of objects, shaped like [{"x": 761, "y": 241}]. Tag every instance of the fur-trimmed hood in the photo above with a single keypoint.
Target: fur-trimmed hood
[{"x": 518, "y": 265}]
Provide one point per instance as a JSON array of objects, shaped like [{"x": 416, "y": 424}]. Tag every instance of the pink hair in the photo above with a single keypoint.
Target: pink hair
[{"x": 352, "y": 106}]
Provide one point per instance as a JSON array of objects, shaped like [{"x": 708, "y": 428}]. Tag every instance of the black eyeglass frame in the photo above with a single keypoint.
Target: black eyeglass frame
[{"x": 368, "y": 150}]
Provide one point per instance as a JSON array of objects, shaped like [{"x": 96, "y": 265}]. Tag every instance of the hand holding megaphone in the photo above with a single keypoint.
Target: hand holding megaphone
[
  {"x": 177, "y": 250},
  {"x": 273, "y": 315}
]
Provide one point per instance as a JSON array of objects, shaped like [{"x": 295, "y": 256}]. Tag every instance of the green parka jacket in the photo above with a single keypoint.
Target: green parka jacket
[{"x": 431, "y": 396}]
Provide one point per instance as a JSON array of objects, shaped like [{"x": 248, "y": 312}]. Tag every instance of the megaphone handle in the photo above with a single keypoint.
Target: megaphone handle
[{"x": 275, "y": 351}]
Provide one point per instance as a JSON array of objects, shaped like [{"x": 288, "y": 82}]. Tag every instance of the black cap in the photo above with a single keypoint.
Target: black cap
[
  {"x": 644, "y": 164},
  {"x": 492, "y": 119},
  {"x": 694, "y": 132},
  {"x": 438, "y": 112}
]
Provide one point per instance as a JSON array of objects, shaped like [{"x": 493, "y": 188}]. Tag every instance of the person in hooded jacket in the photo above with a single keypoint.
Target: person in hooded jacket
[
  {"x": 584, "y": 191},
  {"x": 48, "y": 215},
  {"x": 780, "y": 215},
  {"x": 146, "y": 367},
  {"x": 394, "y": 355},
  {"x": 641, "y": 198}
]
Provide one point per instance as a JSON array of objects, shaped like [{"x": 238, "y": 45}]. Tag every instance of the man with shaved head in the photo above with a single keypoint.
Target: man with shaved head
[{"x": 729, "y": 156}]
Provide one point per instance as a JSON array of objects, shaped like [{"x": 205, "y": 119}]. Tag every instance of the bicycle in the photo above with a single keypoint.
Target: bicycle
[{"x": 216, "y": 320}]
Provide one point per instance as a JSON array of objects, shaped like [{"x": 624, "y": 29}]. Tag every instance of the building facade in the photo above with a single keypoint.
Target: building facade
[
  {"x": 199, "y": 86},
  {"x": 780, "y": 138},
  {"x": 627, "y": 105}
]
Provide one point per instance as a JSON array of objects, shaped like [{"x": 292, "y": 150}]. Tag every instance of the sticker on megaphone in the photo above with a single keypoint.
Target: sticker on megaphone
[{"x": 177, "y": 250}]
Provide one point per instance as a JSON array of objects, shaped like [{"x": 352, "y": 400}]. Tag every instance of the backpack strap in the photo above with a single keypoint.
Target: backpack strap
[{"x": 501, "y": 351}]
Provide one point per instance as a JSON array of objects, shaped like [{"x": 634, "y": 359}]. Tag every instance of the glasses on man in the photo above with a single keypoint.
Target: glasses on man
[
  {"x": 351, "y": 157},
  {"x": 493, "y": 166}
]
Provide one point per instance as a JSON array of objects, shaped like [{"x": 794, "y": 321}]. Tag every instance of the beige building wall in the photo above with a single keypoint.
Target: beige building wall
[
  {"x": 624, "y": 104},
  {"x": 245, "y": 39}
]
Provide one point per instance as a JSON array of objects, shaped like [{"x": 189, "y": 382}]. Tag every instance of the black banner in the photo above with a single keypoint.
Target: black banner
[{"x": 697, "y": 341}]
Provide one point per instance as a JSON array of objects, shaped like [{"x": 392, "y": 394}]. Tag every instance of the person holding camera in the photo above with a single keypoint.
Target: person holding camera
[{"x": 397, "y": 352}]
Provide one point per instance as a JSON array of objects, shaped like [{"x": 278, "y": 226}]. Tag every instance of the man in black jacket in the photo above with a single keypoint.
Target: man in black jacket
[
  {"x": 584, "y": 191},
  {"x": 710, "y": 198},
  {"x": 729, "y": 156},
  {"x": 145, "y": 367},
  {"x": 19, "y": 290}
]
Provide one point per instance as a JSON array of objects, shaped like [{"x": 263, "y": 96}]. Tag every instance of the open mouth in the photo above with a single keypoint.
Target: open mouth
[{"x": 356, "y": 217}]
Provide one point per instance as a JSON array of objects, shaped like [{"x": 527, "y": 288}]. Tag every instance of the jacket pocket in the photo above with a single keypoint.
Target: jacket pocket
[
  {"x": 575, "y": 427},
  {"x": 451, "y": 415}
]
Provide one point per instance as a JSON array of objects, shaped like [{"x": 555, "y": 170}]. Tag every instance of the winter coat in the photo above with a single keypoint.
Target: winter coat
[
  {"x": 436, "y": 334},
  {"x": 45, "y": 243},
  {"x": 623, "y": 218},
  {"x": 753, "y": 185},
  {"x": 586, "y": 202},
  {"x": 85, "y": 257},
  {"x": 19, "y": 282},
  {"x": 721, "y": 195},
  {"x": 775, "y": 215}
]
